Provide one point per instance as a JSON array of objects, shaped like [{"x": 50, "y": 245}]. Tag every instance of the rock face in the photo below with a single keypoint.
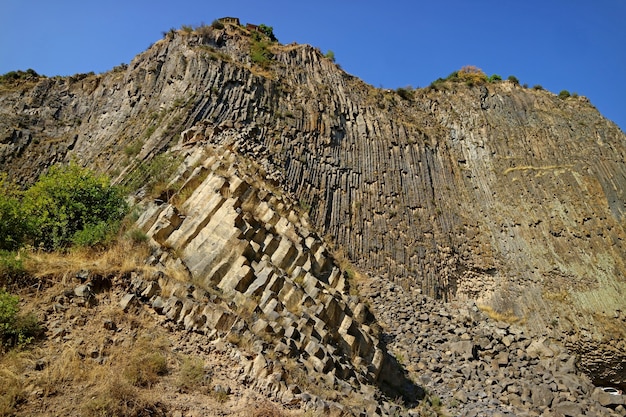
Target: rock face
[
  {"x": 244, "y": 245},
  {"x": 477, "y": 367},
  {"x": 506, "y": 196}
]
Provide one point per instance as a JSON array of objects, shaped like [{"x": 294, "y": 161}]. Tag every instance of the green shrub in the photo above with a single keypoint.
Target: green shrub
[
  {"x": 217, "y": 24},
  {"x": 13, "y": 225},
  {"x": 268, "y": 31},
  {"x": 69, "y": 204},
  {"x": 494, "y": 77},
  {"x": 330, "y": 55},
  {"x": 472, "y": 75},
  {"x": 19, "y": 75},
  {"x": 11, "y": 267},
  {"x": 135, "y": 147},
  {"x": 15, "y": 329},
  {"x": 405, "y": 93},
  {"x": 137, "y": 235},
  {"x": 537, "y": 87},
  {"x": 101, "y": 233},
  {"x": 564, "y": 94},
  {"x": 453, "y": 76},
  {"x": 438, "y": 84},
  {"x": 513, "y": 79},
  {"x": 259, "y": 52}
]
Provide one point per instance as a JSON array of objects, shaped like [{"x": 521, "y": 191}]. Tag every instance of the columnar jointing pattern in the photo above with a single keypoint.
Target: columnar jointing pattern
[{"x": 248, "y": 245}]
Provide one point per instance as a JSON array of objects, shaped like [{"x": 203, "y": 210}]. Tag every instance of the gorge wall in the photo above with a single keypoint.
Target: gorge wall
[{"x": 496, "y": 193}]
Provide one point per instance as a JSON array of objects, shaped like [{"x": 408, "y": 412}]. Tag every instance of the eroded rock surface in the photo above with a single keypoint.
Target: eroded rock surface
[{"x": 506, "y": 196}]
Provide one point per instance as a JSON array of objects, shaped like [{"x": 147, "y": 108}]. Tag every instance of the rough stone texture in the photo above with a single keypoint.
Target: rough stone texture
[
  {"x": 507, "y": 196},
  {"x": 254, "y": 275},
  {"x": 477, "y": 366}
]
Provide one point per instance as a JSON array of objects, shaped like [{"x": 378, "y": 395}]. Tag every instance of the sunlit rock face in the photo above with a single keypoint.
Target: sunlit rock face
[{"x": 496, "y": 193}]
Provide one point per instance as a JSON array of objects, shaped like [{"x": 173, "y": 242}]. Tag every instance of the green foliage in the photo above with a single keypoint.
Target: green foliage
[
  {"x": 13, "y": 226},
  {"x": 15, "y": 330},
  {"x": 217, "y": 24},
  {"x": 330, "y": 55},
  {"x": 405, "y": 93},
  {"x": 13, "y": 76},
  {"x": 564, "y": 94},
  {"x": 494, "y": 77},
  {"x": 259, "y": 51},
  {"x": 137, "y": 235},
  {"x": 434, "y": 401},
  {"x": 101, "y": 233},
  {"x": 70, "y": 204},
  {"x": 438, "y": 84},
  {"x": 186, "y": 28},
  {"x": 469, "y": 74},
  {"x": 268, "y": 31},
  {"x": 513, "y": 79},
  {"x": 537, "y": 87},
  {"x": 11, "y": 267},
  {"x": 453, "y": 76},
  {"x": 134, "y": 148}
]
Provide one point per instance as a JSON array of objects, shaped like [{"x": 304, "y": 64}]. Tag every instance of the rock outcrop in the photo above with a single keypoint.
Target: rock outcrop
[
  {"x": 510, "y": 197},
  {"x": 250, "y": 248}
]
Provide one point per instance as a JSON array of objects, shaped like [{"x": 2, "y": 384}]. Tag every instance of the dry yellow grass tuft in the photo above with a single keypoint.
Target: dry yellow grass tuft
[
  {"x": 267, "y": 409},
  {"x": 13, "y": 366},
  {"x": 507, "y": 316},
  {"x": 122, "y": 256}
]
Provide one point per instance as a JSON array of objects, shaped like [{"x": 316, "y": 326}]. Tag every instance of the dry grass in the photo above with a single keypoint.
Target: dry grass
[
  {"x": 561, "y": 296},
  {"x": 66, "y": 369},
  {"x": 355, "y": 278},
  {"x": 118, "y": 398},
  {"x": 191, "y": 375},
  {"x": 13, "y": 366},
  {"x": 122, "y": 256},
  {"x": 189, "y": 187},
  {"x": 507, "y": 316},
  {"x": 267, "y": 409}
]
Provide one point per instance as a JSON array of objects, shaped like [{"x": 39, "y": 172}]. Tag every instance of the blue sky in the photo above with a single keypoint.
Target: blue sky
[{"x": 574, "y": 45}]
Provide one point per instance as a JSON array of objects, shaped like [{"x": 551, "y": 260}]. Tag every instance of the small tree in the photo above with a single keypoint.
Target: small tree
[
  {"x": 494, "y": 78},
  {"x": 268, "y": 31},
  {"x": 330, "y": 55},
  {"x": 68, "y": 200},
  {"x": 564, "y": 94},
  {"x": 471, "y": 75}
]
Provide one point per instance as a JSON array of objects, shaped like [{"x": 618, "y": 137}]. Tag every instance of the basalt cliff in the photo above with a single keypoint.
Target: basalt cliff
[{"x": 373, "y": 238}]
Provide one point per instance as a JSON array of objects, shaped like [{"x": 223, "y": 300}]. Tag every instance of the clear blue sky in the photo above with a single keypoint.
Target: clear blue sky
[{"x": 576, "y": 45}]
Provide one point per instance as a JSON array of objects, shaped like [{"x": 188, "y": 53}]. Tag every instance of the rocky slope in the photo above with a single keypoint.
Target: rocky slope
[{"x": 509, "y": 197}]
